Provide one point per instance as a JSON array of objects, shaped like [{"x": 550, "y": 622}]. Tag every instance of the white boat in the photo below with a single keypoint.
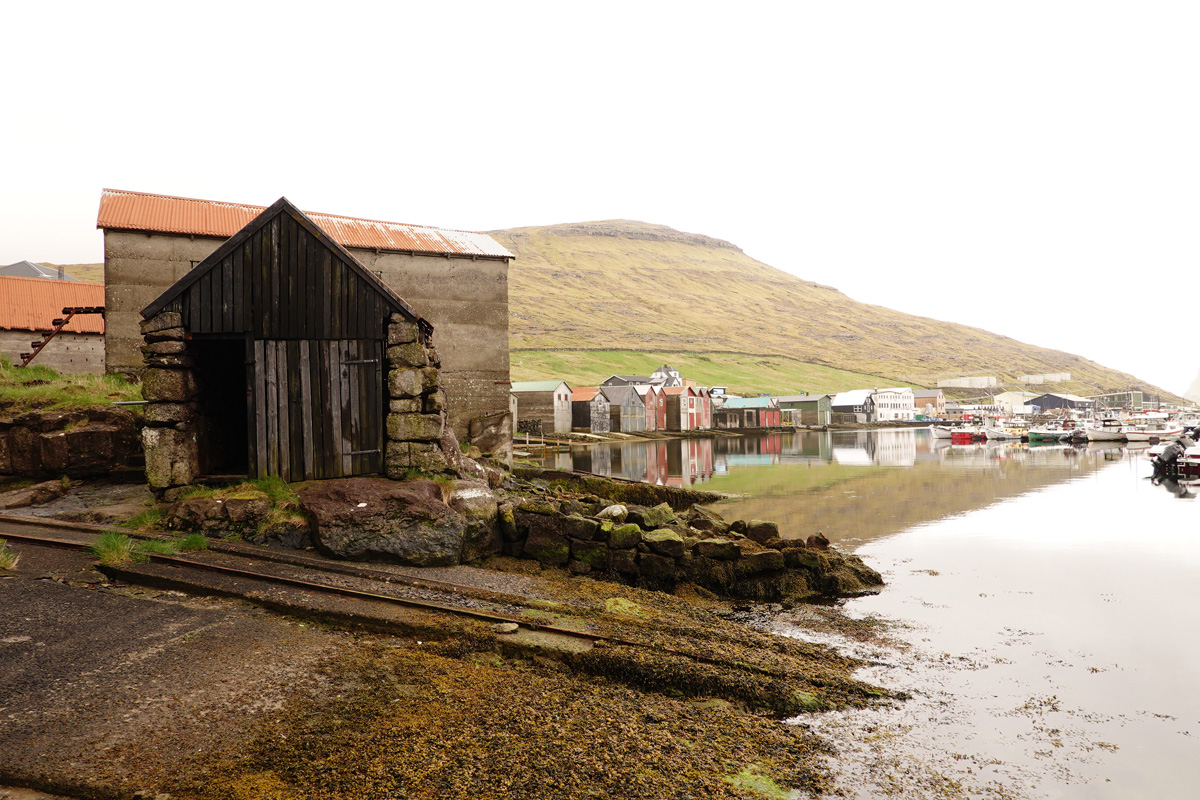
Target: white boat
[
  {"x": 1000, "y": 434},
  {"x": 1106, "y": 430},
  {"x": 1152, "y": 426},
  {"x": 941, "y": 432}
]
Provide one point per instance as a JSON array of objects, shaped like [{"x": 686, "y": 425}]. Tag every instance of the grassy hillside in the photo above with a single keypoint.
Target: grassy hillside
[
  {"x": 89, "y": 273},
  {"x": 641, "y": 288}
]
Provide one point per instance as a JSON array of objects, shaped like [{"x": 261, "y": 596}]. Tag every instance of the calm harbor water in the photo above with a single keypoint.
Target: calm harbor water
[{"x": 1039, "y": 602}]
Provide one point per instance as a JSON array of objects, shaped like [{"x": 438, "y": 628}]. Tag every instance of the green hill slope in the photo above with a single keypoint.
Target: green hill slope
[{"x": 585, "y": 288}]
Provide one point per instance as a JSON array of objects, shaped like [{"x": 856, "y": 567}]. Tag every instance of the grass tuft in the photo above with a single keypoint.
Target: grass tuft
[
  {"x": 113, "y": 548},
  {"x": 193, "y": 541},
  {"x": 8, "y": 559}
]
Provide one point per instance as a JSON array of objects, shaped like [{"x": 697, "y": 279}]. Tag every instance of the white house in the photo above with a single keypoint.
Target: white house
[{"x": 894, "y": 404}]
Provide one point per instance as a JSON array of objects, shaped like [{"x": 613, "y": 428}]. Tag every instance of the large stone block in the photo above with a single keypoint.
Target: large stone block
[
  {"x": 162, "y": 321},
  {"x": 720, "y": 549},
  {"x": 165, "y": 414},
  {"x": 171, "y": 385},
  {"x": 624, "y": 537},
  {"x": 547, "y": 546},
  {"x": 406, "y": 405},
  {"x": 656, "y": 566},
  {"x": 594, "y": 554},
  {"x": 168, "y": 335},
  {"x": 410, "y": 354},
  {"x": 172, "y": 457},
  {"x": 402, "y": 331},
  {"x": 415, "y": 427},
  {"x": 428, "y": 458},
  {"x": 168, "y": 347},
  {"x": 404, "y": 383},
  {"x": 665, "y": 542}
]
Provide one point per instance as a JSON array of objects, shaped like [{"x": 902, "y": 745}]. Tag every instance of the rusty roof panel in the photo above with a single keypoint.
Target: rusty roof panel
[
  {"x": 30, "y": 304},
  {"x": 139, "y": 211}
]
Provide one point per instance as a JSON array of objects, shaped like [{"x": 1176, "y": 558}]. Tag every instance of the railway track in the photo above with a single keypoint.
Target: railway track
[{"x": 456, "y": 599}]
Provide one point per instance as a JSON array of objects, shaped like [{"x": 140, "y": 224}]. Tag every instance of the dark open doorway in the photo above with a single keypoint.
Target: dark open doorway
[{"x": 220, "y": 368}]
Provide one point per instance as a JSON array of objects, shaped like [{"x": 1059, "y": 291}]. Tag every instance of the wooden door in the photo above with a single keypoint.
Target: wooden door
[{"x": 317, "y": 408}]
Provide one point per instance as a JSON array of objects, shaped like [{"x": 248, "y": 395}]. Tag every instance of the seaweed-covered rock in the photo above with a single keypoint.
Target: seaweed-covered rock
[
  {"x": 658, "y": 517},
  {"x": 665, "y": 542},
  {"x": 719, "y": 549},
  {"x": 625, "y": 536},
  {"x": 594, "y": 554},
  {"x": 651, "y": 565},
  {"x": 761, "y": 531}
]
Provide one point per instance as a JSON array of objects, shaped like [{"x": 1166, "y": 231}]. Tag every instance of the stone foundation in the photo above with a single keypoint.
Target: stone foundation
[
  {"x": 77, "y": 444},
  {"x": 169, "y": 387}
]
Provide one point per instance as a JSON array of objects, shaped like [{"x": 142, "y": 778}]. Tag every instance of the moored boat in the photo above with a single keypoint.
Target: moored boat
[{"x": 1109, "y": 429}]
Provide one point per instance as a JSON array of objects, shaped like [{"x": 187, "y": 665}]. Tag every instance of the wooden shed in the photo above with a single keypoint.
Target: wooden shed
[{"x": 284, "y": 333}]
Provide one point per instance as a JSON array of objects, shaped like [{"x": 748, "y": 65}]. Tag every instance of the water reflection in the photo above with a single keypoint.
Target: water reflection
[{"x": 804, "y": 480}]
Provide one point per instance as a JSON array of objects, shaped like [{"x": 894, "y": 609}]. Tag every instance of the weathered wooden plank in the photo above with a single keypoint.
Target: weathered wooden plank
[
  {"x": 271, "y": 285},
  {"x": 326, "y": 258},
  {"x": 238, "y": 296},
  {"x": 272, "y": 407},
  {"x": 259, "y": 467},
  {"x": 327, "y": 410},
  {"x": 356, "y": 440},
  {"x": 306, "y": 285},
  {"x": 335, "y": 406},
  {"x": 215, "y": 284},
  {"x": 285, "y": 428},
  {"x": 347, "y": 436},
  {"x": 306, "y": 407},
  {"x": 229, "y": 290},
  {"x": 335, "y": 313},
  {"x": 295, "y": 411}
]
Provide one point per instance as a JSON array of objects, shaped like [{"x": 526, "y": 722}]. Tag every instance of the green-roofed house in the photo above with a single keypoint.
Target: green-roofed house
[
  {"x": 548, "y": 402},
  {"x": 748, "y": 412}
]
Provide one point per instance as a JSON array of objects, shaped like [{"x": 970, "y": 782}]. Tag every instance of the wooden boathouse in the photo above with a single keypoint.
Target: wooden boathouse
[{"x": 271, "y": 358}]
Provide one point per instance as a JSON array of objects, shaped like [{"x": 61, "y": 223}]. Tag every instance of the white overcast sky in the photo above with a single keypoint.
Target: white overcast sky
[{"x": 1031, "y": 168}]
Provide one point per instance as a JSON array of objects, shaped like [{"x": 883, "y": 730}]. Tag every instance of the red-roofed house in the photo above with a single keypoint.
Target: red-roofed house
[{"x": 28, "y": 308}]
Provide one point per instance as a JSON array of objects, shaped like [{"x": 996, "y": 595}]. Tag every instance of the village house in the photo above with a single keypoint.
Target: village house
[
  {"x": 666, "y": 377},
  {"x": 457, "y": 280},
  {"x": 626, "y": 408},
  {"x": 656, "y": 407},
  {"x": 749, "y": 412},
  {"x": 543, "y": 406},
  {"x": 30, "y": 309},
  {"x": 627, "y": 380},
  {"x": 930, "y": 402},
  {"x": 894, "y": 404},
  {"x": 680, "y": 404},
  {"x": 853, "y": 406},
  {"x": 28, "y": 269},
  {"x": 590, "y": 410},
  {"x": 813, "y": 410}
]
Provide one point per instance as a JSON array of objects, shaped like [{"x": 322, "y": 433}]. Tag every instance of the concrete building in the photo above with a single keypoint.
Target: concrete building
[
  {"x": 548, "y": 403},
  {"x": 1014, "y": 402},
  {"x": 455, "y": 279},
  {"x": 28, "y": 308},
  {"x": 894, "y": 404},
  {"x": 976, "y": 382}
]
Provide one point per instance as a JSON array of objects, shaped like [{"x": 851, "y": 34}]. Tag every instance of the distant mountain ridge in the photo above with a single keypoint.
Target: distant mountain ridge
[
  {"x": 1193, "y": 392},
  {"x": 627, "y": 285}
]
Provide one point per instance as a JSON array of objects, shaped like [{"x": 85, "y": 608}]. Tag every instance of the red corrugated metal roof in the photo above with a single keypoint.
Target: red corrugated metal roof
[
  {"x": 140, "y": 211},
  {"x": 584, "y": 393},
  {"x": 31, "y": 303}
]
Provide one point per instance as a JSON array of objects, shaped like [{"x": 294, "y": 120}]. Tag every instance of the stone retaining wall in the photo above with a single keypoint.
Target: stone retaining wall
[{"x": 77, "y": 444}]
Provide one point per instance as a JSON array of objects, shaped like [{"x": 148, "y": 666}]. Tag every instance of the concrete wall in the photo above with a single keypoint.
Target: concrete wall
[
  {"x": 465, "y": 299},
  {"x": 68, "y": 353}
]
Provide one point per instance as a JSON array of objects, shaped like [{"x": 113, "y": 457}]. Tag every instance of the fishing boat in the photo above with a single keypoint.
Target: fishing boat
[
  {"x": 1152, "y": 426},
  {"x": 1109, "y": 429},
  {"x": 1052, "y": 431},
  {"x": 942, "y": 431}
]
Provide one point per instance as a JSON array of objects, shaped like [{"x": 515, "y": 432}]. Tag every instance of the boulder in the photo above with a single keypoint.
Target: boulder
[
  {"x": 761, "y": 531},
  {"x": 624, "y": 537},
  {"x": 719, "y": 549},
  {"x": 617, "y": 513},
  {"x": 658, "y": 517},
  {"x": 34, "y": 495},
  {"x": 623, "y": 562},
  {"x": 665, "y": 542},
  {"x": 756, "y": 563},
  {"x": 817, "y": 542},
  {"x": 594, "y": 554},
  {"x": 492, "y": 434},
  {"x": 374, "y": 518},
  {"x": 582, "y": 528},
  {"x": 546, "y": 544}
]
